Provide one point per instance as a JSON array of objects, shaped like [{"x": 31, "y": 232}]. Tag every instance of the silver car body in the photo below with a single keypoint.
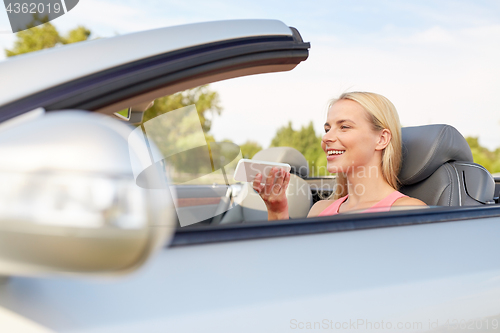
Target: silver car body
[{"x": 423, "y": 271}]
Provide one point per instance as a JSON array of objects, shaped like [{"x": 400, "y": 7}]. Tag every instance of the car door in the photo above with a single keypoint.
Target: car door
[{"x": 404, "y": 271}]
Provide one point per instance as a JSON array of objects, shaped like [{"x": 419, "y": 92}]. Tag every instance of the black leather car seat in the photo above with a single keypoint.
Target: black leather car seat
[{"x": 438, "y": 168}]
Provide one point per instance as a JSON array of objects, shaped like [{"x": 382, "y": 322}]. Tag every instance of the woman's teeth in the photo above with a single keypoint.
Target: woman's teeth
[{"x": 335, "y": 152}]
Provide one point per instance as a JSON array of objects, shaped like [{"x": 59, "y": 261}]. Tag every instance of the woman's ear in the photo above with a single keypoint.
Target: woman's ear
[{"x": 384, "y": 139}]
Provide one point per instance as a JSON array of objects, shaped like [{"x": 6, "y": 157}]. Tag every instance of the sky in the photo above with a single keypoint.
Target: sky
[{"x": 437, "y": 61}]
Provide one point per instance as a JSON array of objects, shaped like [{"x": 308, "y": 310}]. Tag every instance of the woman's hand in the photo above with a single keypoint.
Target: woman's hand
[{"x": 274, "y": 193}]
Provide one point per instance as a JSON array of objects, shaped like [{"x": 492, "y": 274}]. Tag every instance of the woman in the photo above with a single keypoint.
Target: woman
[{"x": 363, "y": 145}]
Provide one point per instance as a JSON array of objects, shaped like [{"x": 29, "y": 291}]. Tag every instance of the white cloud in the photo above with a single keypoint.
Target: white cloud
[
  {"x": 432, "y": 35},
  {"x": 454, "y": 82},
  {"x": 109, "y": 17}
]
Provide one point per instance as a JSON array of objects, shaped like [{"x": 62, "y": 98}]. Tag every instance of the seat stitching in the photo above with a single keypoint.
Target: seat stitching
[
  {"x": 450, "y": 183},
  {"x": 444, "y": 190}
]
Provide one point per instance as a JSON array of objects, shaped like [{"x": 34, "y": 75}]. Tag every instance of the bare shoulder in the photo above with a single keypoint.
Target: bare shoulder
[
  {"x": 318, "y": 207},
  {"x": 408, "y": 201}
]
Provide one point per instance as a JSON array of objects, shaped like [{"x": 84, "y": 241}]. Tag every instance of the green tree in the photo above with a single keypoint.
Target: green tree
[
  {"x": 190, "y": 163},
  {"x": 307, "y": 142},
  {"x": 79, "y": 34},
  {"x": 483, "y": 156},
  {"x": 43, "y": 37},
  {"x": 496, "y": 163},
  {"x": 207, "y": 103},
  {"x": 250, "y": 148}
]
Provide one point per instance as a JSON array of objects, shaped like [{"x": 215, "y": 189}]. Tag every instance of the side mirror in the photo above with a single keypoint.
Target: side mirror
[{"x": 69, "y": 202}]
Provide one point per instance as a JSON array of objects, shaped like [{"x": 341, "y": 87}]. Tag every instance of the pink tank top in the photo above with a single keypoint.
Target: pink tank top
[{"x": 383, "y": 205}]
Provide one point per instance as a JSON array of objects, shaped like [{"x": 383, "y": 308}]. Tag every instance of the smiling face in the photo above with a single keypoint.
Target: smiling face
[{"x": 350, "y": 140}]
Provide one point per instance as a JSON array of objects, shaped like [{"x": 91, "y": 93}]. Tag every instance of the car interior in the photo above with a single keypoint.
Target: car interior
[{"x": 437, "y": 168}]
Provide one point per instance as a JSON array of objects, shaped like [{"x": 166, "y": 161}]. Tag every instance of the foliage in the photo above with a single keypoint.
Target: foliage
[
  {"x": 250, "y": 148},
  {"x": 483, "y": 156},
  {"x": 206, "y": 101},
  {"x": 79, "y": 34},
  {"x": 192, "y": 162},
  {"x": 43, "y": 37},
  {"x": 307, "y": 142}
]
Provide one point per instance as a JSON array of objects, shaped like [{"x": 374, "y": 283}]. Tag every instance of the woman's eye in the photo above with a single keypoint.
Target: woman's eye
[
  {"x": 326, "y": 130},
  {"x": 344, "y": 127}
]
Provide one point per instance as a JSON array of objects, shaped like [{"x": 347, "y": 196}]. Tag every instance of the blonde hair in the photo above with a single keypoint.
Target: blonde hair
[{"x": 383, "y": 115}]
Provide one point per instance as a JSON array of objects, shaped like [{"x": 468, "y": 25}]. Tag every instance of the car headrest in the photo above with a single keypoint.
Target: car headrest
[
  {"x": 426, "y": 148},
  {"x": 285, "y": 155}
]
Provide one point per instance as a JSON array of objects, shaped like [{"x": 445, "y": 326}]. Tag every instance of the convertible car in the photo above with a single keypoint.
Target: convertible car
[{"x": 104, "y": 226}]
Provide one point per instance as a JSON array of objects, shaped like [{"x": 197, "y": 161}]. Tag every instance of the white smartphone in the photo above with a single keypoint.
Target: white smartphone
[{"x": 246, "y": 170}]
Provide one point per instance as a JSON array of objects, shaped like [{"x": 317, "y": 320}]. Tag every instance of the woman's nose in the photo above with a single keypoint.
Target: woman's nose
[{"x": 329, "y": 137}]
